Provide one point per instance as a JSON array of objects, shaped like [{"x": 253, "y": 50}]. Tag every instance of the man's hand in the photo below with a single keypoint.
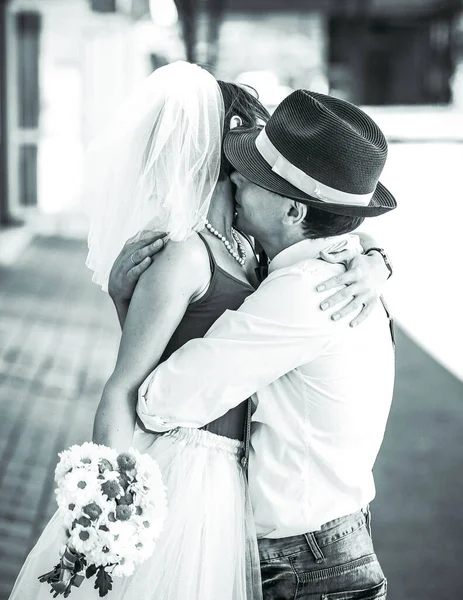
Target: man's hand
[
  {"x": 363, "y": 282},
  {"x": 133, "y": 260}
]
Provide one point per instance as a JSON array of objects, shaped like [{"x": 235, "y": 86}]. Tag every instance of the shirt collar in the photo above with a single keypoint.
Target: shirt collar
[{"x": 310, "y": 249}]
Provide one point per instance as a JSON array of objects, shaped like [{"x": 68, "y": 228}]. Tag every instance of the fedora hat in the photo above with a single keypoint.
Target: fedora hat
[{"x": 319, "y": 150}]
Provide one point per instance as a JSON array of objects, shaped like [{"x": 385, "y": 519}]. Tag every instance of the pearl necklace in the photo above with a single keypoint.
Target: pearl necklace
[{"x": 239, "y": 256}]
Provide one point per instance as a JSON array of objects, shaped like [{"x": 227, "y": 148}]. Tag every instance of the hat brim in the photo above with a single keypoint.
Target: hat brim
[{"x": 241, "y": 151}]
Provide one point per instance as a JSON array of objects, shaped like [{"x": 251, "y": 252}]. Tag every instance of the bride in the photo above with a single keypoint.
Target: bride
[{"x": 161, "y": 168}]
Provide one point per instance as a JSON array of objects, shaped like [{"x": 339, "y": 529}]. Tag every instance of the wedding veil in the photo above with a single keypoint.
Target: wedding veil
[{"x": 156, "y": 166}]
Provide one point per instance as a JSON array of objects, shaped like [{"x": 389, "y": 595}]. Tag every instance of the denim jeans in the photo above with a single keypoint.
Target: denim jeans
[{"x": 335, "y": 563}]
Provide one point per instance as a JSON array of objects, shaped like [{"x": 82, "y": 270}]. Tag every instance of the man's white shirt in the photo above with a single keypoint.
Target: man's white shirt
[{"x": 321, "y": 391}]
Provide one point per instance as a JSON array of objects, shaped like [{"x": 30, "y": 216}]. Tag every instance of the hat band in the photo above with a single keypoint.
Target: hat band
[{"x": 300, "y": 180}]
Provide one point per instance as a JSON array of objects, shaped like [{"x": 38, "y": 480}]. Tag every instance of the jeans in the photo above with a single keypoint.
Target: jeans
[{"x": 335, "y": 563}]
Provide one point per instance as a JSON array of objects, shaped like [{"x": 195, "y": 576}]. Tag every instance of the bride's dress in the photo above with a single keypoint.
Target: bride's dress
[
  {"x": 208, "y": 547},
  {"x": 156, "y": 168},
  {"x": 199, "y": 555}
]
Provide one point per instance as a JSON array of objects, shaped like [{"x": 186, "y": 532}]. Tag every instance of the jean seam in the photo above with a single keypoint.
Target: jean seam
[
  {"x": 337, "y": 570},
  {"x": 281, "y": 557},
  {"x": 372, "y": 597},
  {"x": 296, "y": 575}
]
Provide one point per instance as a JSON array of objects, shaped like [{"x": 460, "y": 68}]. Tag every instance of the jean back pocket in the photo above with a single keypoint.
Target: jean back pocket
[{"x": 374, "y": 593}]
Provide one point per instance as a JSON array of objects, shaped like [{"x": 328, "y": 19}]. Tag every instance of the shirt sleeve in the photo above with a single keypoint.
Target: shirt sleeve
[{"x": 277, "y": 329}]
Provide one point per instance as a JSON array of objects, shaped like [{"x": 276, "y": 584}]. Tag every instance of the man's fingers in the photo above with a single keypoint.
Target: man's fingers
[
  {"x": 147, "y": 251},
  {"x": 156, "y": 246},
  {"x": 135, "y": 272},
  {"x": 149, "y": 234},
  {"x": 131, "y": 240},
  {"x": 147, "y": 238}
]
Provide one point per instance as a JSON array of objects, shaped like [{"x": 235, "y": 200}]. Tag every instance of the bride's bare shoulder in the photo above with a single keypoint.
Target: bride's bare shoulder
[
  {"x": 185, "y": 261},
  {"x": 189, "y": 254}
]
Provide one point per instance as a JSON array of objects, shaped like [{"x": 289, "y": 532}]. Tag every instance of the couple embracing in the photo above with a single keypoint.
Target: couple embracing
[{"x": 264, "y": 409}]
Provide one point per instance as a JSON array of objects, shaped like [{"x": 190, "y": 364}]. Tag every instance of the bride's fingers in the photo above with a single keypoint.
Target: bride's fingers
[
  {"x": 347, "y": 293},
  {"x": 343, "y": 256},
  {"x": 362, "y": 302},
  {"x": 365, "y": 312},
  {"x": 348, "y": 277},
  {"x": 351, "y": 307}
]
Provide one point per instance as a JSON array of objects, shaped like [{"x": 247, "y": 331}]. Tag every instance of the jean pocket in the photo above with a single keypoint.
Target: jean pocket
[
  {"x": 374, "y": 593},
  {"x": 279, "y": 581}
]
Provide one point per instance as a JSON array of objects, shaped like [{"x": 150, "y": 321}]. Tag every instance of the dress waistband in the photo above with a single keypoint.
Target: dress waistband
[{"x": 208, "y": 439}]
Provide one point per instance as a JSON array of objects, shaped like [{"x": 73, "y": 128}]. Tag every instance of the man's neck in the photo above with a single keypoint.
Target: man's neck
[
  {"x": 311, "y": 249},
  {"x": 272, "y": 247}
]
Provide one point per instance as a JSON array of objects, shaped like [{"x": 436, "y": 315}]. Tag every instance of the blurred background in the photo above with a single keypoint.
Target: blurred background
[{"x": 64, "y": 65}]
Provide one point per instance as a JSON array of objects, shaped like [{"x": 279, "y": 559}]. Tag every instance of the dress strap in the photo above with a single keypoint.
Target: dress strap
[{"x": 212, "y": 262}]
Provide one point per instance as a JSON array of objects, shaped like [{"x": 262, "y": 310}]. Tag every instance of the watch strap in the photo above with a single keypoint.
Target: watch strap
[{"x": 385, "y": 257}]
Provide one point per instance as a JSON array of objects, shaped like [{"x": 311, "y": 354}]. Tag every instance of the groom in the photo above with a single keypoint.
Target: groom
[{"x": 321, "y": 390}]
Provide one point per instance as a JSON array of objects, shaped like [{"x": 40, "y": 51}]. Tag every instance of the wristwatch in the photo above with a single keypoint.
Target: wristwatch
[{"x": 387, "y": 262}]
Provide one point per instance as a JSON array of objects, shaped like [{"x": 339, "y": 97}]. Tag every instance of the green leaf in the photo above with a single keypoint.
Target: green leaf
[
  {"x": 103, "y": 582},
  {"x": 90, "y": 572},
  {"x": 51, "y": 575}
]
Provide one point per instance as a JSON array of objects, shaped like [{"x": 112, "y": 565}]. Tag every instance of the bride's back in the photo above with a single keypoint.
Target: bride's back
[{"x": 224, "y": 292}]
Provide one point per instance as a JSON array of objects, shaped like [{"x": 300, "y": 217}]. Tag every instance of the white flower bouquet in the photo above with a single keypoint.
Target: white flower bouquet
[{"x": 113, "y": 507}]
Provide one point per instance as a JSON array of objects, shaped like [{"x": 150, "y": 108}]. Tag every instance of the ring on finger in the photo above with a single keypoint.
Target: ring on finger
[{"x": 132, "y": 261}]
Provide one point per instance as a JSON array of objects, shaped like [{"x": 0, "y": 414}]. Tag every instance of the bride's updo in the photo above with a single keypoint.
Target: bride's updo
[{"x": 241, "y": 101}]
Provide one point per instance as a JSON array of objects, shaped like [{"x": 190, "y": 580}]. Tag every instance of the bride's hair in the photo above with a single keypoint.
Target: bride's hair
[
  {"x": 156, "y": 166},
  {"x": 241, "y": 101}
]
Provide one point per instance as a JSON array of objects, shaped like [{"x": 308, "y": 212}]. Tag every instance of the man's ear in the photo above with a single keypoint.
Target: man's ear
[
  {"x": 236, "y": 121},
  {"x": 296, "y": 213}
]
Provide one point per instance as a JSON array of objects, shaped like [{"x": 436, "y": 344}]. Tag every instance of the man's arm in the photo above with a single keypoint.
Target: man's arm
[{"x": 277, "y": 329}]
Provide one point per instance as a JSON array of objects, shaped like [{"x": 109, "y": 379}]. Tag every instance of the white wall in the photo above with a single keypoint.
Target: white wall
[
  {"x": 423, "y": 235},
  {"x": 89, "y": 62}
]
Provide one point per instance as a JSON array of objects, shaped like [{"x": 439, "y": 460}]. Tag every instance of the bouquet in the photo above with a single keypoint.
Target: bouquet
[{"x": 113, "y": 507}]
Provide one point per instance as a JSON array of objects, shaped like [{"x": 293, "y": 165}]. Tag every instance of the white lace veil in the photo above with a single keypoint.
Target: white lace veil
[{"x": 156, "y": 166}]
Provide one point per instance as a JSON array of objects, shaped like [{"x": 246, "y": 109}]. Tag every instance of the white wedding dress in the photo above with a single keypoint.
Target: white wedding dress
[
  {"x": 158, "y": 164},
  {"x": 207, "y": 550}
]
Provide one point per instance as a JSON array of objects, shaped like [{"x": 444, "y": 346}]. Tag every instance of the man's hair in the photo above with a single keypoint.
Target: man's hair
[
  {"x": 320, "y": 223},
  {"x": 243, "y": 102}
]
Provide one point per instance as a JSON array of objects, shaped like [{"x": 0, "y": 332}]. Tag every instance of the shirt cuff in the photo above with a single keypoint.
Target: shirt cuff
[{"x": 151, "y": 421}]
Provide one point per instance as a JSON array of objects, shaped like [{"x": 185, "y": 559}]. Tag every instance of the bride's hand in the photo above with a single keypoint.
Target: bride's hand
[
  {"x": 363, "y": 281},
  {"x": 132, "y": 261}
]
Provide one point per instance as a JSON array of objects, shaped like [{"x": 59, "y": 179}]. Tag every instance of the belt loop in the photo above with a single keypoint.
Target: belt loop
[{"x": 314, "y": 547}]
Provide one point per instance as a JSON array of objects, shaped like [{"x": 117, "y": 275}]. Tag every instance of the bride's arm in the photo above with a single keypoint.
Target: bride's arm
[
  {"x": 362, "y": 282},
  {"x": 157, "y": 306},
  {"x": 133, "y": 260}
]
